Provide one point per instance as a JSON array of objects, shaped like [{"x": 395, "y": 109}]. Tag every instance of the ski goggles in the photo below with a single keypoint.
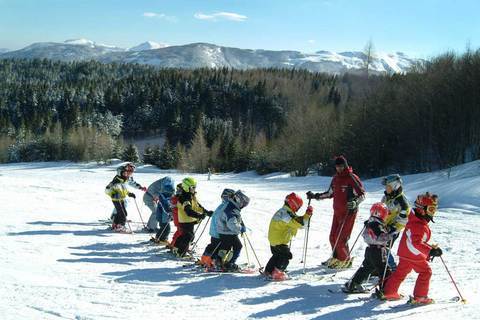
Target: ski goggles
[
  {"x": 129, "y": 168},
  {"x": 431, "y": 210}
]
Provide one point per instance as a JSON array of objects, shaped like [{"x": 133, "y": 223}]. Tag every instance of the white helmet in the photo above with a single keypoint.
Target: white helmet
[{"x": 393, "y": 180}]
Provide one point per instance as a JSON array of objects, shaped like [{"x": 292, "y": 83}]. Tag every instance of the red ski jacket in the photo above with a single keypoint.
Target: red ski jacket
[
  {"x": 174, "y": 201},
  {"x": 413, "y": 245},
  {"x": 344, "y": 186}
]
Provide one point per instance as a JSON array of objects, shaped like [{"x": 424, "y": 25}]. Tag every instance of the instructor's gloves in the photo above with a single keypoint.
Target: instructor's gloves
[
  {"x": 311, "y": 195},
  {"x": 132, "y": 195},
  {"x": 352, "y": 205}
]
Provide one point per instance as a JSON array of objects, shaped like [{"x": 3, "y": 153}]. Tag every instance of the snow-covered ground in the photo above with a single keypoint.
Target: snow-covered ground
[{"x": 58, "y": 261}]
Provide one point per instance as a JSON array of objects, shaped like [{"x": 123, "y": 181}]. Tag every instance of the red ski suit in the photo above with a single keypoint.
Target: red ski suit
[
  {"x": 413, "y": 251},
  {"x": 179, "y": 230},
  {"x": 345, "y": 186}
]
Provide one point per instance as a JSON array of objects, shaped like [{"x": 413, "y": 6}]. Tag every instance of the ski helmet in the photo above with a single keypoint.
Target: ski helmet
[
  {"x": 379, "y": 210},
  {"x": 393, "y": 180},
  {"x": 127, "y": 167},
  {"x": 227, "y": 194},
  {"x": 167, "y": 186},
  {"x": 294, "y": 201},
  {"x": 426, "y": 205},
  {"x": 240, "y": 199},
  {"x": 188, "y": 184}
]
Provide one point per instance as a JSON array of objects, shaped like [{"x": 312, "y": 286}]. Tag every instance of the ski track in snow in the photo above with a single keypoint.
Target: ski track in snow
[{"x": 59, "y": 262}]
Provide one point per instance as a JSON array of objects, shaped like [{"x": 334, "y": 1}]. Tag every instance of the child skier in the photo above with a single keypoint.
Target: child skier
[
  {"x": 174, "y": 201},
  {"x": 283, "y": 227},
  {"x": 117, "y": 191},
  {"x": 377, "y": 237},
  {"x": 229, "y": 225},
  {"x": 151, "y": 198},
  {"x": 415, "y": 252},
  {"x": 190, "y": 212},
  {"x": 398, "y": 210},
  {"x": 210, "y": 253},
  {"x": 164, "y": 210}
]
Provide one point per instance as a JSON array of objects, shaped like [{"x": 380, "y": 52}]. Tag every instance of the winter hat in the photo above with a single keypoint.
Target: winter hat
[{"x": 341, "y": 161}]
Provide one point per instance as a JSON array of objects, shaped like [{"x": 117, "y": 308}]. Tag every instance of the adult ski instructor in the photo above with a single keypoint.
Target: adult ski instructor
[{"x": 347, "y": 192}]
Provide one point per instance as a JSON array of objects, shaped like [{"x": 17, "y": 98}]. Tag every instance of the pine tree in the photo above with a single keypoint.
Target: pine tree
[
  {"x": 131, "y": 154},
  {"x": 148, "y": 155}
]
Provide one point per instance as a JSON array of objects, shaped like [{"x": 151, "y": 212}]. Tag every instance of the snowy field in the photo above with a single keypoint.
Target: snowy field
[{"x": 59, "y": 262}]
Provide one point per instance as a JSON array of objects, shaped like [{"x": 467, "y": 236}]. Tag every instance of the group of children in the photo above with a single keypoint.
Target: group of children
[{"x": 387, "y": 220}]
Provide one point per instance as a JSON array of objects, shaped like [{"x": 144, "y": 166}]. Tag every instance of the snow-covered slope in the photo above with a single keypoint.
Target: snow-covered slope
[
  {"x": 197, "y": 55},
  {"x": 58, "y": 261}
]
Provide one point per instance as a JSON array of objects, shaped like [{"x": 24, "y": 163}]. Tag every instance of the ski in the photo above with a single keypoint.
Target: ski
[
  {"x": 409, "y": 304},
  {"x": 120, "y": 231},
  {"x": 243, "y": 268},
  {"x": 344, "y": 291}
]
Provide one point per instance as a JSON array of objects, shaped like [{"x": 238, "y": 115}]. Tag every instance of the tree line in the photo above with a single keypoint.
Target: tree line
[{"x": 263, "y": 119}]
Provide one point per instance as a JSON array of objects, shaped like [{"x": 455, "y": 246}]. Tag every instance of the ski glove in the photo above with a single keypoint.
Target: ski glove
[
  {"x": 243, "y": 229},
  {"x": 435, "y": 252},
  {"x": 311, "y": 195},
  {"x": 144, "y": 189},
  {"x": 132, "y": 195},
  {"x": 352, "y": 205},
  {"x": 309, "y": 211},
  {"x": 209, "y": 212}
]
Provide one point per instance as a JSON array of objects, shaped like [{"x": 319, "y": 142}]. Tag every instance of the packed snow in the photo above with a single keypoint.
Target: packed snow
[{"x": 59, "y": 261}]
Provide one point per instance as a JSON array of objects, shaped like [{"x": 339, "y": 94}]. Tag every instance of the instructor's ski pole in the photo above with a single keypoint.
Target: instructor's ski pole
[
  {"x": 355, "y": 242},
  {"x": 453, "y": 281},
  {"x": 338, "y": 237}
]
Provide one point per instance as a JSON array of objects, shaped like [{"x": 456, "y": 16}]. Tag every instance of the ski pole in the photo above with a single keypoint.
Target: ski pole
[
  {"x": 382, "y": 280},
  {"x": 260, "y": 269},
  {"x": 305, "y": 244},
  {"x": 355, "y": 242},
  {"x": 338, "y": 237},
  {"x": 201, "y": 233},
  {"x": 126, "y": 220},
  {"x": 139, "y": 213},
  {"x": 453, "y": 281},
  {"x": 163, "y": 230},
  {"x": 304, "y": 239},
  {"x": 246, "y": 248}
]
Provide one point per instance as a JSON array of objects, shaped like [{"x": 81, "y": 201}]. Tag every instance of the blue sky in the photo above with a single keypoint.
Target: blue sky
[{"x": 419, "y": 28}]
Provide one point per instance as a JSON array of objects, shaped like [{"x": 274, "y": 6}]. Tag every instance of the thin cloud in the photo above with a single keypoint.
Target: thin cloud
[
  {"x": 221, "y": 16},
  {"x": 159, "y": 16},
  {"x": 311, "y": 41}
]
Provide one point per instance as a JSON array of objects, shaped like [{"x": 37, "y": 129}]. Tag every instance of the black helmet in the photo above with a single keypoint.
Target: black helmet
[{"x": 227, "y": 194}]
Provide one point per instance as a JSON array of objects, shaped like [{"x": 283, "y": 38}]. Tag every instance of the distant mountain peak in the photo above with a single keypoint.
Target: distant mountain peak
[
  {"x": 81, "y": 41},
  {"x": 148, "y": 45}
]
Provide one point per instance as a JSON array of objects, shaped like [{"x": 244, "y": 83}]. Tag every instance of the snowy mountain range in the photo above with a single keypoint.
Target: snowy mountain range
[{"x": 197, "y": 55}]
